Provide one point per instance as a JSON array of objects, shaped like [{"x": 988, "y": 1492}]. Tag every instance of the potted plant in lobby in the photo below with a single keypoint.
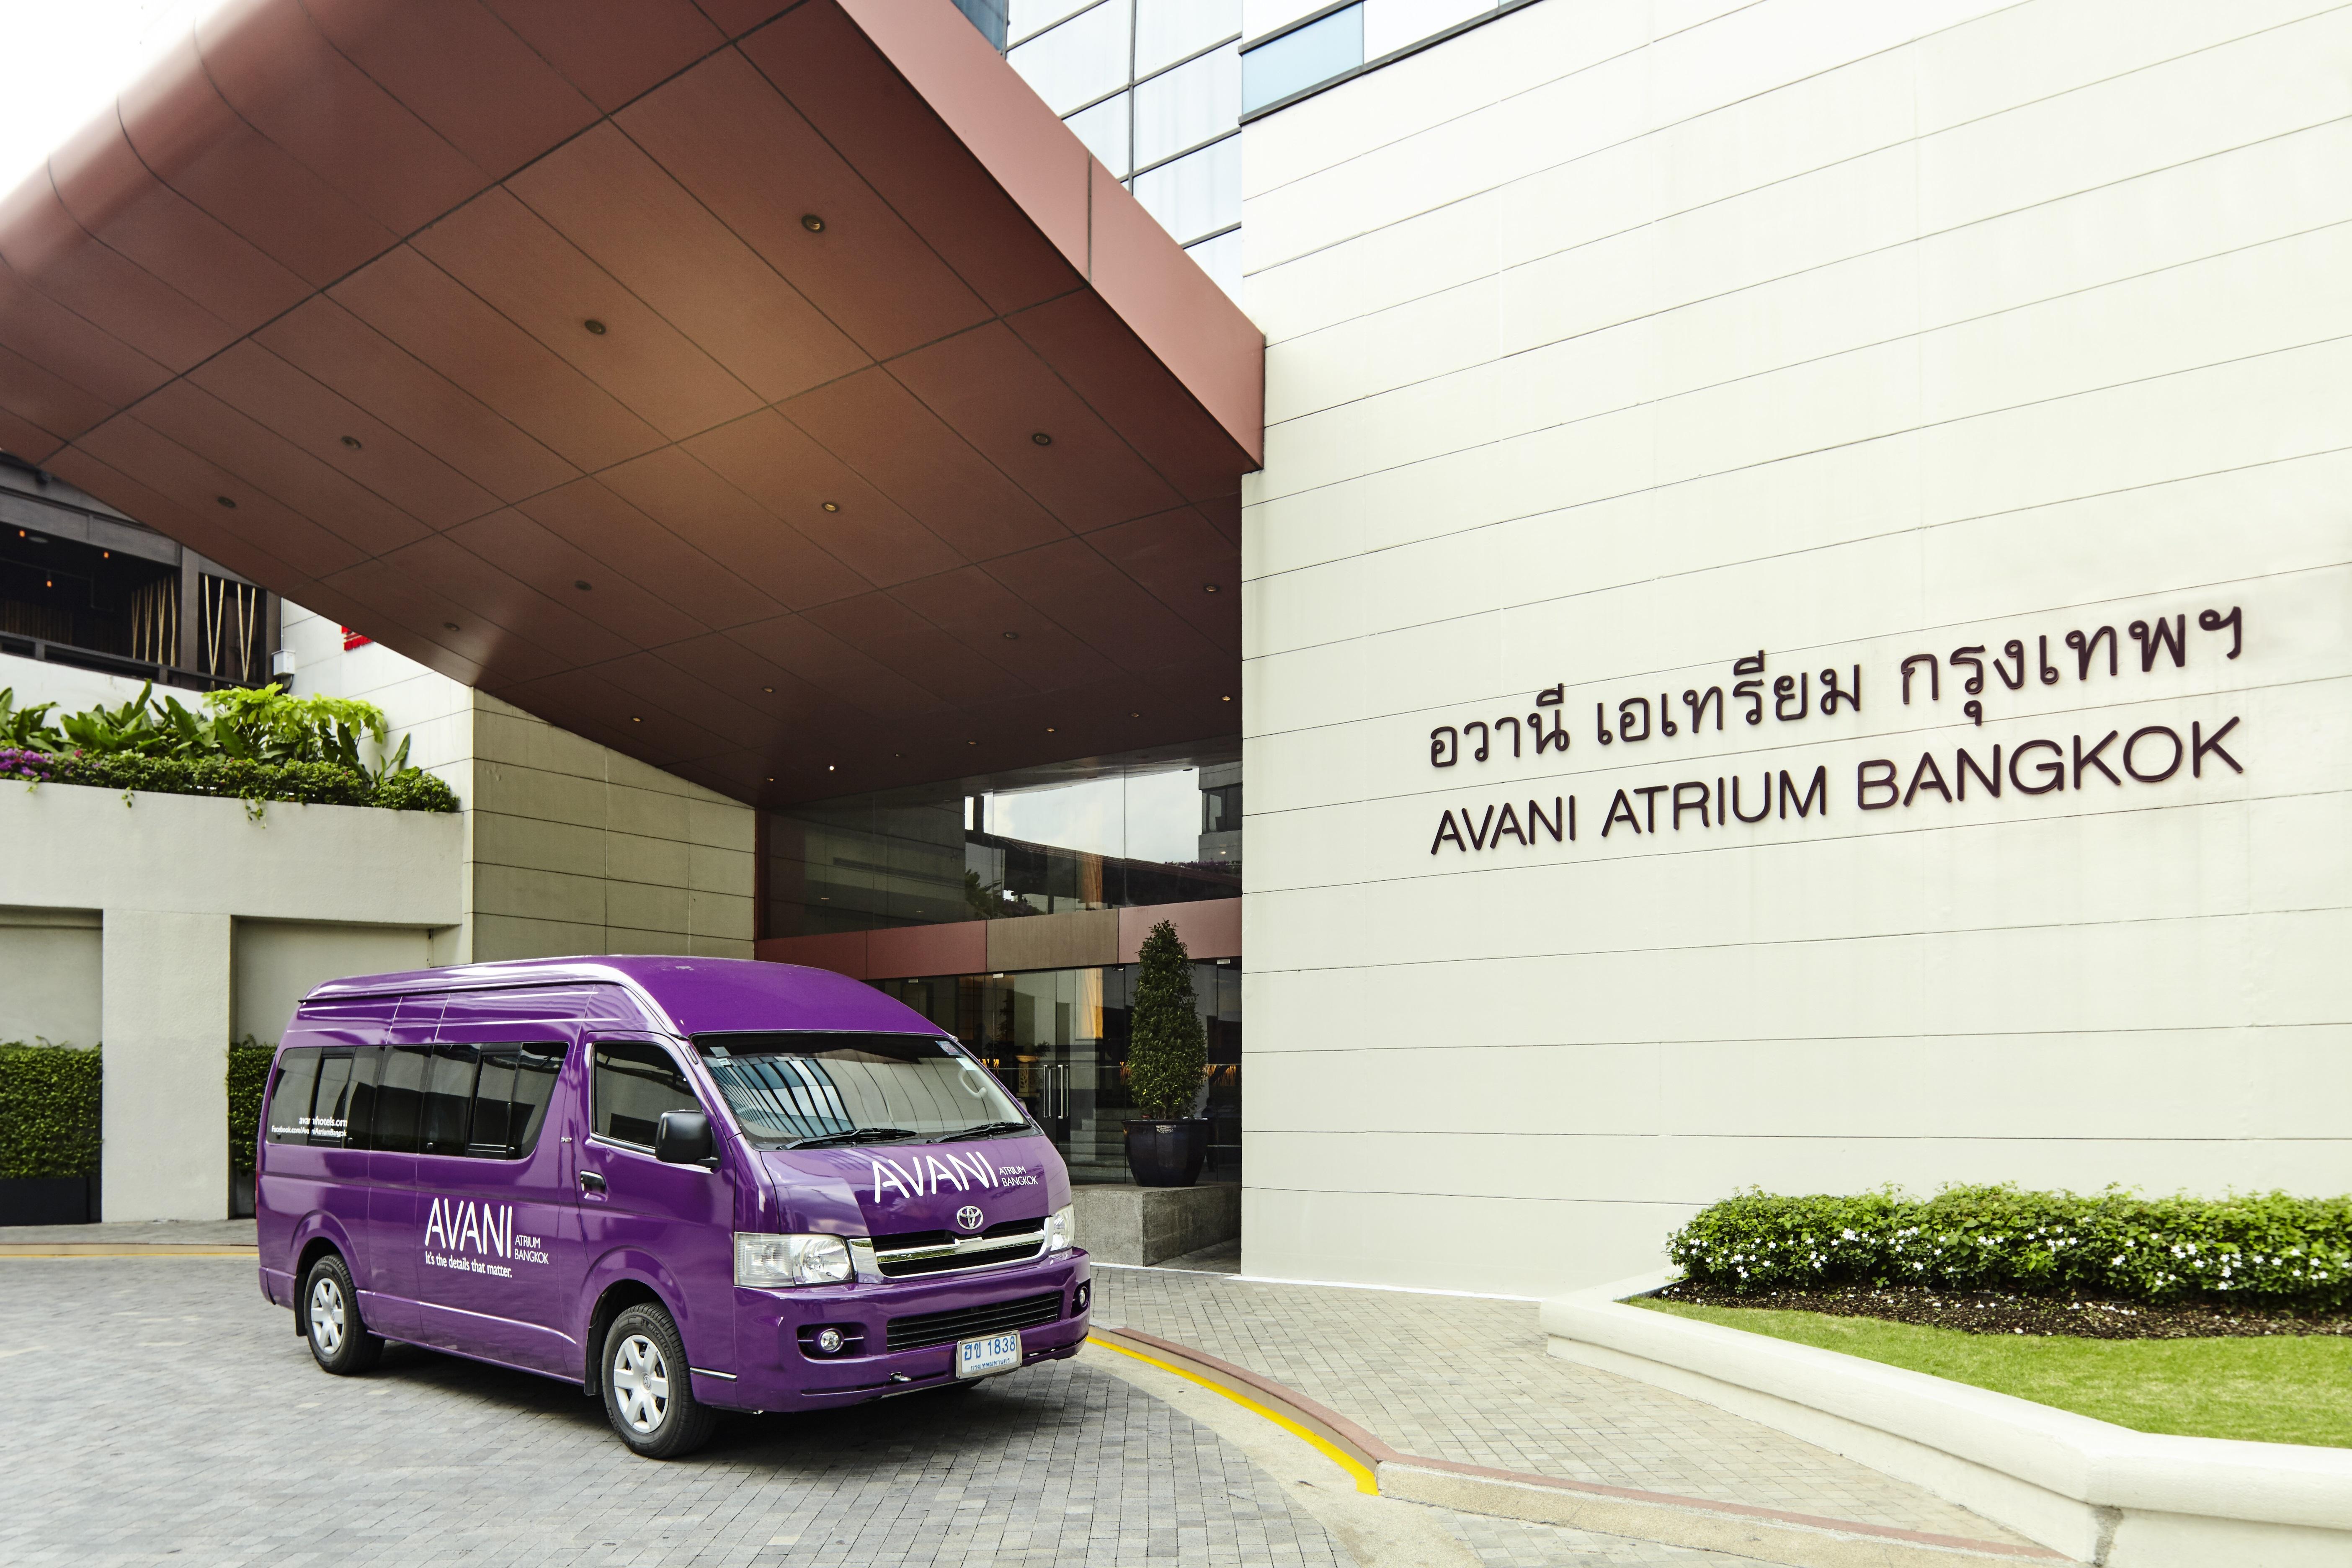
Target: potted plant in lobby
[{"x": 1165, "y": 1056}]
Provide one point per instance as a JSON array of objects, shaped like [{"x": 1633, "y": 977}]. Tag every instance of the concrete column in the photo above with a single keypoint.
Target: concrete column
[{"x": 165, "y": 1007}]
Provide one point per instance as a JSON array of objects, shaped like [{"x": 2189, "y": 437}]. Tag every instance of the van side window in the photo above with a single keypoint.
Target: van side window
[
  {"x": 448, "y": 1100},
  {"x": 635, "y": 1082},
  {"x": 399, "y": 1096},
  {"x": 510, "y": 1100},
  {"x": 289, "y": 1102},
  {"x": 340, "y": 1112}
]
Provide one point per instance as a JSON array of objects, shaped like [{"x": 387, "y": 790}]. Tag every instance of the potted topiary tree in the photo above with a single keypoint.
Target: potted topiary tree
[{"x": 1165, "y": 1056}]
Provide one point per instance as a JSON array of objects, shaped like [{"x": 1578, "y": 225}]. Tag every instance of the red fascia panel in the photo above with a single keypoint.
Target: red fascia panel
[
  {"x": 1158, "y": 290},
  {"x": 912, "y": 953},
  {"x": 1209, "y": 928},
  {"x": 844, "y": 952}
]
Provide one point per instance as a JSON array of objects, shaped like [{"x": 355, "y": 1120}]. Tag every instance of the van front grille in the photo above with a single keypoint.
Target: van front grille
[
  {"x": 970, "y": 1323},
  {"x": 939, "y": 1252}
]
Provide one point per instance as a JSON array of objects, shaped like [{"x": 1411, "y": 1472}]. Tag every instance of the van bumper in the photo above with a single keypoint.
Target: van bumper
[{"x": 773, "y": 1370}]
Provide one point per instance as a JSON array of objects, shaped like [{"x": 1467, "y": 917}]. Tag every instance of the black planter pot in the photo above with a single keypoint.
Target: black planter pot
[
  {"x": 48, "y": 1200},
  {"x": 1166, "y": 1154}
]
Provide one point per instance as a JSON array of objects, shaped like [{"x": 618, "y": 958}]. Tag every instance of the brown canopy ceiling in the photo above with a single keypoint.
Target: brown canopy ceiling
[{"x": 756, "y": 388}]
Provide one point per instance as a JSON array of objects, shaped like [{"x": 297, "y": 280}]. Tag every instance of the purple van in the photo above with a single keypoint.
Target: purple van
[{"x": 687, "y": 1184}]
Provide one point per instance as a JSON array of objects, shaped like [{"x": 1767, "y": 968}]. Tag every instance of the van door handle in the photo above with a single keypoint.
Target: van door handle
[{"x": 590, "y": 1182}]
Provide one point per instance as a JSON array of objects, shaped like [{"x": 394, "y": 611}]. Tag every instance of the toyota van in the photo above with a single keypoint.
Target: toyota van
[{"x": 684, "y": 1184}]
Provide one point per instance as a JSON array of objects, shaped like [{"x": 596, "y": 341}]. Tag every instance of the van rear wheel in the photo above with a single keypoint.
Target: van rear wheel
[
  {"x": 648, "y": 1388},
  {"x": 340, "y": 1340}
]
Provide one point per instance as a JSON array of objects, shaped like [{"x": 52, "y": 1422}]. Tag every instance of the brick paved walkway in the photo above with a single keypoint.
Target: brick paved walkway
[
  {"x": 167, "y": 1416},
  {"x": 1465, "y": 1379}
]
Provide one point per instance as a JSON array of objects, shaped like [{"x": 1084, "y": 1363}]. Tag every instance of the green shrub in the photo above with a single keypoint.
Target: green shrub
[
  {"x": 248, "y": 1075},
  {"x": 414, "y": 789},
  {"x": 2270, "y": 1248},
  {"x": 1165, "y": 1049},
  {"x": 48, "y": 1110}
]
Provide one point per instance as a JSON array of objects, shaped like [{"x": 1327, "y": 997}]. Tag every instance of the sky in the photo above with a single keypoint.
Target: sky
[{"x": 67, "y": 59}]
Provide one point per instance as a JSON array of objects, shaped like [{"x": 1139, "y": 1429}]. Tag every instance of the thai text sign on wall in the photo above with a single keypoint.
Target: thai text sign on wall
[{"x": 1757, "y": 696}]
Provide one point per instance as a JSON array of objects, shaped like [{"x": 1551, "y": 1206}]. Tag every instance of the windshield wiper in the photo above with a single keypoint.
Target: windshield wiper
[
  {"x": 986, "y": 1130},
  {"x": 854, "y": 1135}
]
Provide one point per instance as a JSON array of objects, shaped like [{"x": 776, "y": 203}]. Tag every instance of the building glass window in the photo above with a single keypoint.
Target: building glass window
[
  {"x": 1058, "y": 1040},
  {"x": 1303, "y": 57},
  {"x": 1029, "y": 16},
  {"x": 1187, "y": 106},
  {"x": 1390, "y": 25},
  {"x": 1167, "y": 31},
  {"x": 1221, "y": 258},
  {"x": 1104, "y": 129},
  {"x": 1079, "y": 61},
  {"x": 1198, "y": 193},
  {"x": 1107, "y": 833}
]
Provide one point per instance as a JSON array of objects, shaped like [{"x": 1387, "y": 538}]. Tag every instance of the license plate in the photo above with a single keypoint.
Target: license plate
[{"x": 980, "y": 1358}]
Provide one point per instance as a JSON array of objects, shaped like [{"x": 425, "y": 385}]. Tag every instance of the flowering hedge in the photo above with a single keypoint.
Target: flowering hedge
[
  {"x": 236, "y": 778},
  {"x": 2270, "y": 1249}
]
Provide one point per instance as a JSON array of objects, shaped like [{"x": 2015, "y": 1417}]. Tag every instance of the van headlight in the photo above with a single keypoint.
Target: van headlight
[
  {"x": 1057, "y": 1230},
  {"x": 766, "y": 1261}
]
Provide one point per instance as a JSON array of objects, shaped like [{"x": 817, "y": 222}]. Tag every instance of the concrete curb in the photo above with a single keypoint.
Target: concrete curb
[
  {"x": 2097, "y": 1492},
  {"x": 1768, "y": 1535}
]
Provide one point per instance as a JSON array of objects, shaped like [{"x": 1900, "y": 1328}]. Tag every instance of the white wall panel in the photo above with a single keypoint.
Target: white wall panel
[{"x": 1612, "y": 341}]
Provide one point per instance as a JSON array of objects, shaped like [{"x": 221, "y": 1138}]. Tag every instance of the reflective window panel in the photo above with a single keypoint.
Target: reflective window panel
[
  {"x": 1298, "y": 60},
  {"x": 1027, "y": 16},
  {"x": 1390, "y": 25},
  {"x": 1187, "y": 106},
  {"x": 1167, "y": 31},
  {"x": 1221, "y": 258},
  {"x": 1199, "y": 194},
  {"x": 1079, "y": 61},
  {"x": 1148, "y": 828},
  {"x": 1104, "y": 129},
  {"x": 1058, "y": 1040}
]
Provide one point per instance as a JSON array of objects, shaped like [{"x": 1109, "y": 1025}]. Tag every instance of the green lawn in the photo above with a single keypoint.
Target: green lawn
[{"x": 2278, "y": 1390}]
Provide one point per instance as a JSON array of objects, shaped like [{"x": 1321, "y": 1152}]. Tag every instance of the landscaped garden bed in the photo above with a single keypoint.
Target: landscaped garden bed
[
  {"x": 252, "y": 746},
  {"x": 2216, "y": 1318}
]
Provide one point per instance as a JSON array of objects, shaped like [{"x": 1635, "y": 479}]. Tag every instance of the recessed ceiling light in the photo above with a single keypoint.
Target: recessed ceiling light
[
  {"x": 830, "y": 505},
  {"x": 771, "y": 780},
  {"x": 1224, "y": 700},
  {"x": 581, "y": 584},
  {"x": 1012, "y": 636},
  {"x": 223, "y": 501},
  {"x": 1049, "y": 729},
  {"x": 971, "y": 742},
  {"x": 353, "y": 442},
  {"x": 1208, "y": 587},
  {"x": 635, "y": 720},
  {"x": 1135, "y": 715},
  {"x": 448, "y": 626},
  {"x": 770, "y": 689},
  {"x": 1042, "y": 438},
  {"x": 594, "y": 325},
  {"x": 812, "y": 223},
  {"x": 828, "y": 767}
]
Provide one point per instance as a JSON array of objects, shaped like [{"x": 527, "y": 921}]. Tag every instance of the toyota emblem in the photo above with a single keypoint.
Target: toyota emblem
[{"x": 970, "y": 1218}]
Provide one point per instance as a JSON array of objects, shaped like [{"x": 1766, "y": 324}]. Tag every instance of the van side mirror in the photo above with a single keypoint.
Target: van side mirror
[{"x": 682, "y": 1137}]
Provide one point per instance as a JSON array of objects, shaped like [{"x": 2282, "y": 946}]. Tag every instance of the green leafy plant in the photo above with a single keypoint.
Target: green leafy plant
[
  {"x": 2268, "y": 1248},
  {"x": 50, "y": 1098},
  {"x": 252, "y": 746},
  {"x": 1166, "y": 1047},
  {"x": 248, "y": 1076}
]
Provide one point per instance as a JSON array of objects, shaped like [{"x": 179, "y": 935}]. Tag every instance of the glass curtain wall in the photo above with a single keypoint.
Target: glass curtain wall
[
  {"x": 1153, "y": 88},
  {"x": 1148, "y": 827},
  {"x": 1057, "y": 1039}
]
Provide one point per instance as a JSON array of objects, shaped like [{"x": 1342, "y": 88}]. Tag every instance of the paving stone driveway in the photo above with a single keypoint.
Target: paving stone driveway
[{"x": 165, "y": 1414}]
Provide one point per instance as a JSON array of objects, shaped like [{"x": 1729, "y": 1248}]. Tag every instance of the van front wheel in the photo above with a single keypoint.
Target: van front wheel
[
  {"x": 339, "y": 1339},
  {"x": 648, "y": 1390}
]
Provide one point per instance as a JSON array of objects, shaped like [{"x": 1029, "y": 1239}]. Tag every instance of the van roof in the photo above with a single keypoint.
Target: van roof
[{"x": 695, "y": 994}]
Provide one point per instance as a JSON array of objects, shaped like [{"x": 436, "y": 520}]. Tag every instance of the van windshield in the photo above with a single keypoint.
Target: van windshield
[{"x": 806, "y": 1090}]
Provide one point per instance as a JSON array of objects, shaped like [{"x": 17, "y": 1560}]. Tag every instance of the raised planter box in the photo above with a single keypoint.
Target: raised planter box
[
  {"x": 1146, "y": 1225},
  {"x": 49, "y": 1200},
  {"x": 2099, "y": 1492}
]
